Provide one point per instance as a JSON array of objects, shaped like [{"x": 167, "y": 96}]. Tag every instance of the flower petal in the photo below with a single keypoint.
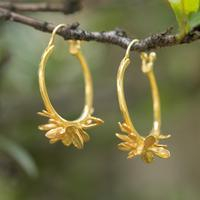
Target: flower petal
[
  {"x": 92, "y": 122},
  {"x": 164, "y": 137},
  {"x": 131, "y": 154},
  {"x": 149, "y": 141},
  {"x": 148, "y": 157},
  {"x": 160, "y": 145},
  {"x": 55, "y": 132},
  {"x": 96, "y": 120},
  {"x": 44, "y": 113},
  {"x": 77, "y": 140},
  {"x": 123, "y": 137},
  {"x": 67, "y": 139},
  {"x": 53, "y": 121},
  {"x": 53, "y": 140},
  {"x": 84, "y": 135},
  {"x": 132, "y": 136},
  {"x": 124, "y": 127},
  {"x": 46, "y": 127},
  {"x": 160, "y": 152},
  {"x": 124, "y": 146}
]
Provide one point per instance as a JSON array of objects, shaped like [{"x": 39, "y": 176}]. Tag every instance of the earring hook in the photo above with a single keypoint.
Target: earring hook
[{"x": 127, "y": 54}]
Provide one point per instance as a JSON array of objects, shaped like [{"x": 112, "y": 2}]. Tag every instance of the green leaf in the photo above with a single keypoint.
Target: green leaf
[
  {"x": 181, "y": 17},
  {"x": 190, "y": 6},
  {"x": 21, "y": 156},
  {"x": 183, "y": 9},
  {"x": 194, "y": 20}
]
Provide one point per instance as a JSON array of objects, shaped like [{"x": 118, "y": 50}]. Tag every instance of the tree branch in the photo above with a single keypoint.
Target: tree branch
[
  {"x": 116, "y": 37},
  {"x": 67, "y": 7}
]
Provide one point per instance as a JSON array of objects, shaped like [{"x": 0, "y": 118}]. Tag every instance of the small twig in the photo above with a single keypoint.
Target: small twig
[
  {"x": 116, "y": 37},
  {"x": 67, "y": 7}
]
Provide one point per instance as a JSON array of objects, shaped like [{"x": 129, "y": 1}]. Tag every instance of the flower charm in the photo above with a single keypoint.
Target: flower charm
[
  {"x": 148, "y": 147},
  {"x": 152, "y": 148},
  {"x": 68, "y": 133}
]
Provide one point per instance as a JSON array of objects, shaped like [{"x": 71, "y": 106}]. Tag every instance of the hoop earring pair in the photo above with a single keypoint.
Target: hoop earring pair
[{"x": 74, "y": 132}]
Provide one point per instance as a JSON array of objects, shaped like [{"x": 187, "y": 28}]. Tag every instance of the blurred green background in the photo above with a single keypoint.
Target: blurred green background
[{"x": 31, "y": 168}]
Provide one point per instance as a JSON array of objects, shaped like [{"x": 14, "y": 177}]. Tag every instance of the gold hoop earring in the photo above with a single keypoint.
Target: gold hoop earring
[
  {"x": 147, "y": 147},
  {"x": 58, "y": 128}
]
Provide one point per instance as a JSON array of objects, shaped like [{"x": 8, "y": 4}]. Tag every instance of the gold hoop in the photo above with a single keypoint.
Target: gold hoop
[
  {"x": 133, "y": 142},
  {"x": 58, "y": 128}
]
